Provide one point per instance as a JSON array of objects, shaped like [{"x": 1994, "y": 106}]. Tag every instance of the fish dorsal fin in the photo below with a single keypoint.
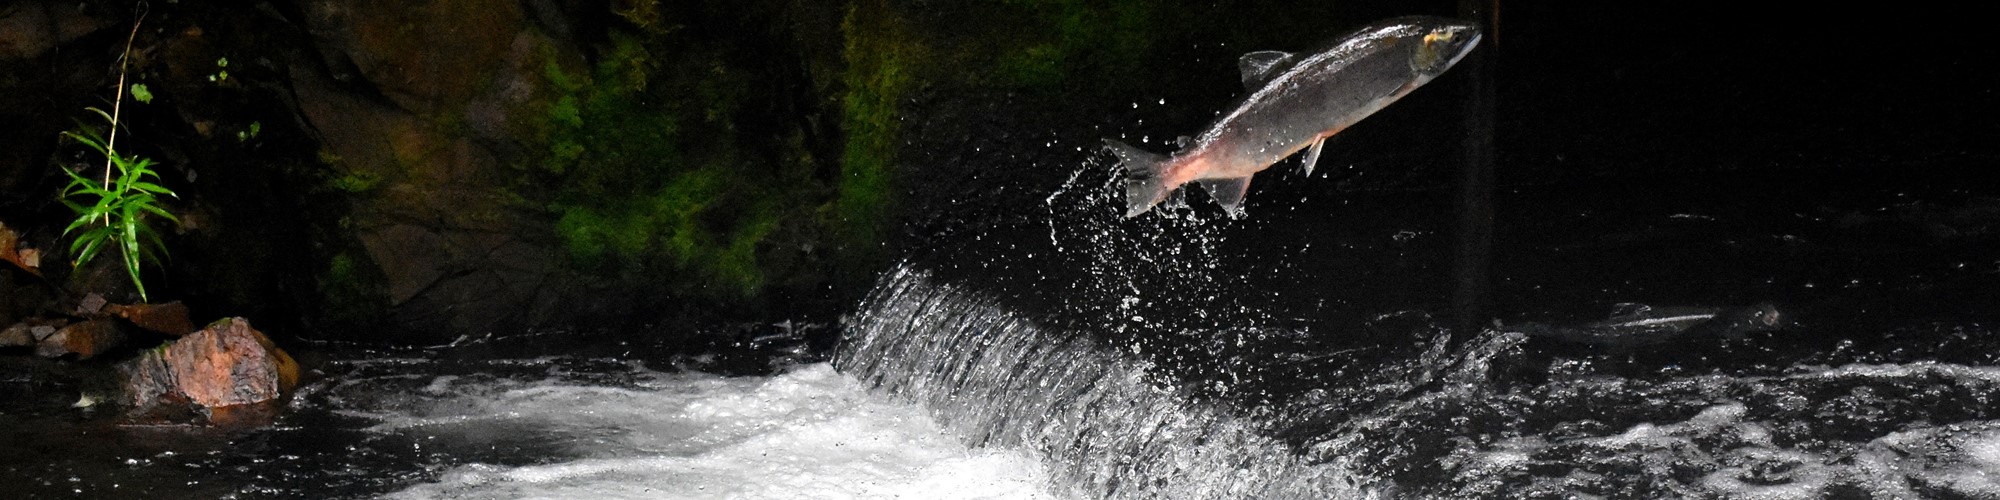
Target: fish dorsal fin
[
  {"x": 1260, "y": 66},
  {"x": 1228, "y": 193},
  {"x": 1312, "y": 154}
]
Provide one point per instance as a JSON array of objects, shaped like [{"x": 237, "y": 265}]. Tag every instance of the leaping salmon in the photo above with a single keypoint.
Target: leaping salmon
[{"x": 1295, "y": 104}]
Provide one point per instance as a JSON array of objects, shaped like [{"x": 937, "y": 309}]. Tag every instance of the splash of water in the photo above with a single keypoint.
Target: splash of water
[{"x": 1101, "y": 421}]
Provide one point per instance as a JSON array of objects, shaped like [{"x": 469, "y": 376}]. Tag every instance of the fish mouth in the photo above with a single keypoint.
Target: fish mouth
[
  {"x": 1470, "y": 42},
  {"x": 1442, "y": 48}
]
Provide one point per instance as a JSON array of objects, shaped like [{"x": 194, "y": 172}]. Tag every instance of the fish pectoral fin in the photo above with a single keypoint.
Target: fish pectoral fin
[
  {"x": 1228, "y": 193},
  {"x": 1260, "y": 66},
  {"x": 1312, "y": 154}
]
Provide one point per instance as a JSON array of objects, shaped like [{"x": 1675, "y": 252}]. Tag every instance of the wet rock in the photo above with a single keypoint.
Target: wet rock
[
  {"x": 148, "y": 381},
  {"x": 33, "y": 28},
  {"x": 27, "y": 259},
  {"x": 441, "y": 232},
  {"x": 91, "y": 304},
  {"x": 86, "y": 340},
  {"x": 418, "y": 55},
  {"x": 29, "y": 332},
  {"x": 170, "y": 318},
  {"x": 226, "y": 364},
  {"x": 16, "y": 336}
]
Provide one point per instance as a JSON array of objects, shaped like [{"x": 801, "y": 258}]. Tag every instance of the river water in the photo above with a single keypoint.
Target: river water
[
  {"x": 1032, "y": 343},
  {"x": 469, "y": 421},
  {"x": 1294, "y": 354}
]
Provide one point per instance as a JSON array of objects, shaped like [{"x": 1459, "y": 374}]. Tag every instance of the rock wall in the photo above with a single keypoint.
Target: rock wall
[
  {"x": 381, "y": 169},
  {"x": 420, "y": 170}
]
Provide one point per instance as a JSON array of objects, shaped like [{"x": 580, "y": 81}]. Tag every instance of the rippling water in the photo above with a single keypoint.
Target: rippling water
[
  {"x": 806, "y": 433},
  {"x": 460, "y": 422},
  {"x": 1496, "y": 417}
]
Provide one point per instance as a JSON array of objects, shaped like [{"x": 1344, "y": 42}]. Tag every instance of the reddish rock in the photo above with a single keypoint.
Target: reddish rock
[
  {"x": 229, "y": 363},
  {"x": 170, "y": 318},
  {"x": 86, "y": 340},
  {"x": 28, "y": 260}
]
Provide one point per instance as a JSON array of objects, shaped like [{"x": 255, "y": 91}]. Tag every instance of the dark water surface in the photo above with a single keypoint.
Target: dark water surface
[
  {"x": 1306, "y": 352},
  {"x": 1838, "y": 173}
]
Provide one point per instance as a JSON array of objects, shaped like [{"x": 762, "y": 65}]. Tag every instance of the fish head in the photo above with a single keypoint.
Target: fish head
[{"x": 1440, "y": 43}]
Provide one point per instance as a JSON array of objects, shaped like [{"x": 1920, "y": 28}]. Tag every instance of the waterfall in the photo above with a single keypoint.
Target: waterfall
[{"x": 1106, "y": 423}]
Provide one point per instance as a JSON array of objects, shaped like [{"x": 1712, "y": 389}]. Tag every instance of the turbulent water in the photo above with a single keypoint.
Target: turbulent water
[
  {"x": 1310, "y": 354},
  {"x": 807, "y": 433},
  {"x": 1075, "y": 354},
  {"x": 1454, "y": 426},
  {"x": 469, "y": 422}
]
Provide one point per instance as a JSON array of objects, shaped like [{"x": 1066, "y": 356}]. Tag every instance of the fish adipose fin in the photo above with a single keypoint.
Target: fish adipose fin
[
  {"x": 1260, "y": 66},
  {"x": 1145, "y": 182},
  {"x": 1312, "y": 154},
  {"x": 1228, "y": 193}
]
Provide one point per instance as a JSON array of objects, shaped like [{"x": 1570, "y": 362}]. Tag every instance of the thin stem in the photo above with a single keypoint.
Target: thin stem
[{"x": 111, "y": 141}]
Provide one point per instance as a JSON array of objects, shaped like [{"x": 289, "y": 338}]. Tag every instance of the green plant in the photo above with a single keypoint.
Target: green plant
[{"x": 114, "y": 210}]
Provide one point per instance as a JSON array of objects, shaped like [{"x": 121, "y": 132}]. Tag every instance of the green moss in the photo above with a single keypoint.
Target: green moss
[
  {"x": 1069, "y": 37},
  {"x": 352, "y": 293},
  {"x": 649, "y": 178},
  {"x": 880, "y": 56},
  {"x": 357, "y": 182}
]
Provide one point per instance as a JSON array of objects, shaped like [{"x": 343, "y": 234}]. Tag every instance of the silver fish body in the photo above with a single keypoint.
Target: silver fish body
[{"x": 1297, "y": 102}]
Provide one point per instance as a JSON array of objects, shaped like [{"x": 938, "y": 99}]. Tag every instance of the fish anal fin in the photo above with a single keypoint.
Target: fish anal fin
[
  {"x": 1260, "y": 66},
  {"x": 1227, "y": 192},
  {"x": 1176, "y": 199},
  {"x": 1312, "y": 154}
]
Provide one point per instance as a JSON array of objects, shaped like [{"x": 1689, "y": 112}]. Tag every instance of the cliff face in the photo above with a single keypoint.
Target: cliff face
[
  {"x": 458, "y": 166},
  {"x": 375, "y": 168}
]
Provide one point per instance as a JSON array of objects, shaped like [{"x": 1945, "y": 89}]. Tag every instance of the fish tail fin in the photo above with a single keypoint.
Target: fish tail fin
[{"x": 1145, "y": 177}]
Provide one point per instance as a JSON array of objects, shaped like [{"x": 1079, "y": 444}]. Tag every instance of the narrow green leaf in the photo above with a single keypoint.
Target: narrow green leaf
[
  {"x": 152, "y": 188},
  {"x": 90, "y": 248},
  {"x": 160, "y": 212}
]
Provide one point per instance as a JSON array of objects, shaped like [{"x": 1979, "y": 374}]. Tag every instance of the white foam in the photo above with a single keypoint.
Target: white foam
[{"x": 809, "y": 433}]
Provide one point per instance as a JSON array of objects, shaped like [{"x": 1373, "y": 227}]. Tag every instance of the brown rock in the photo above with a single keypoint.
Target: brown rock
[
  {"x": 148, "y": 380},
  {"x": 28, "y": 260},
  {"x": 421, "y": 55},
  {"x": 29, "y": 332},
  {"x": 170, "y": 318},
  {"x": 229, "y": 363},
  {"x": 16, "y": 336},
  {"x": 86, "y": 340},
  {"x": 91, "y": 304},
  {"x": 29, "y": 31}
]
